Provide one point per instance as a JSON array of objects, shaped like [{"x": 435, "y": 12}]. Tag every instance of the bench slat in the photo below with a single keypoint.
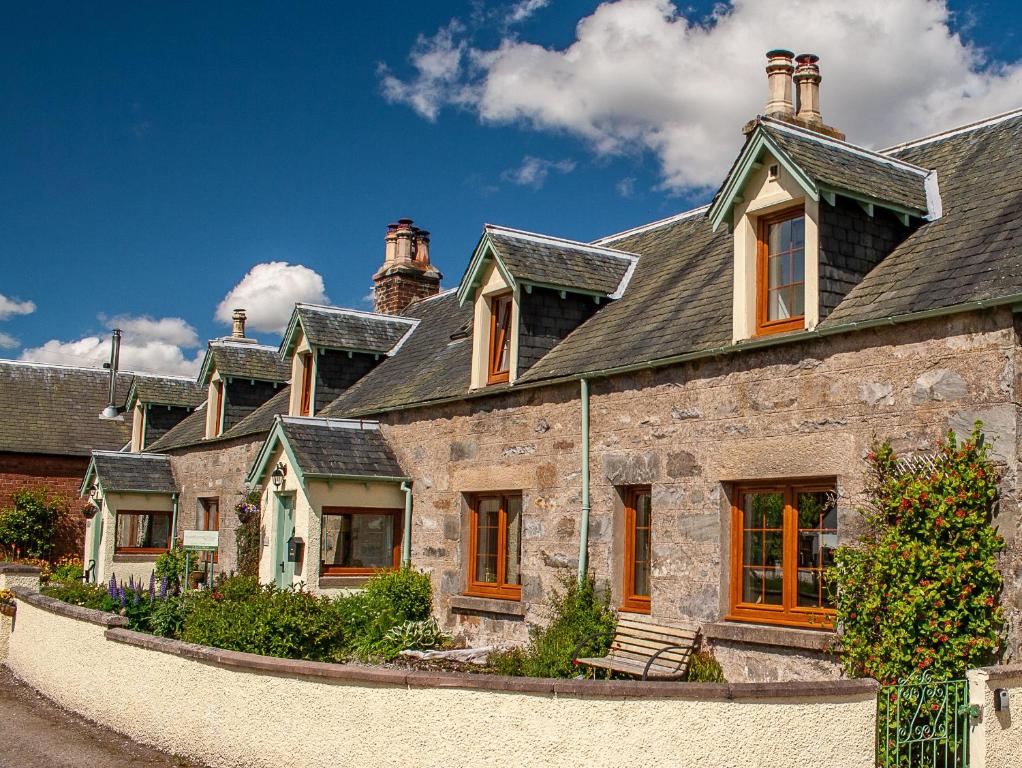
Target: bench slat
[
  {"x": 654, "y": 632},
  {"x": 652, "y": 645},
  {"x": 644, "y": 657},
  {"x": 632, "y": 667}
]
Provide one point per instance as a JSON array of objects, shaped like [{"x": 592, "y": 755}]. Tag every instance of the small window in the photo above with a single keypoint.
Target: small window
[
  {"x": 773, "y": 172},
  {"x": 500, "y": 339},
  {"x": 209, "y": 520},
  {"x": 781, "y": 272},
  {"x": 142, "y": 532},
  {"x": 783, "y": 541},
  {"x": 218, "y": 424},
  {"x": 638, "y": 550},
  {"x": 359, "y": 541},
  {"x": 305, "y": 408},
  {"x": 495, "y": 546}
]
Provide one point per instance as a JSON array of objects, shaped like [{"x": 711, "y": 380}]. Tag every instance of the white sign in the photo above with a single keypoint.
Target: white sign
[{"x": 204, "y": 540}]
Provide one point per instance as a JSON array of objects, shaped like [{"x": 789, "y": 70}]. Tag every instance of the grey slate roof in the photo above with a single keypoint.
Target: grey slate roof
[
  {"x": 331, "y": 448},
  {"x": 335, "y": 328},
  {"x": 568, "y": 264},
  {"x": 679, "y": 299},
  {"x": 244, "y": 360},
  {"x": 846, "y": 167},
  {"x": 165, "y": 390},
  {"x": 54, "y": 409},
  {"x": 121, "y": 472}
]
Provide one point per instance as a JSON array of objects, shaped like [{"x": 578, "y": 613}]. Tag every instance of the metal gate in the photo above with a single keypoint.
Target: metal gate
[{"x": 923, "y": 722}]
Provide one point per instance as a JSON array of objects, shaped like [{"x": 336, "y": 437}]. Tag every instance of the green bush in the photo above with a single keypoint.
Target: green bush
[
  {"x": 388, "y": 600},
  {"x": 510, "y": 662},
  {"x": 67, "y": 569},
  {"x": 919, "y": 591},
  {"x": 79, "y": 593},
  {"x": 171, "y": 566},
  {"x": 580, "y": 617},
  {"x": 27, "y": 528},
  {"x": 703, "y": 667},
  {"x": 169, "y": 615},
  {"x": 409, "y": 593}
]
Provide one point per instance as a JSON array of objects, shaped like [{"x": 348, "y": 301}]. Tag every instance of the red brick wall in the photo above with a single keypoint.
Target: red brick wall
[{"x": 59, "y": 474}]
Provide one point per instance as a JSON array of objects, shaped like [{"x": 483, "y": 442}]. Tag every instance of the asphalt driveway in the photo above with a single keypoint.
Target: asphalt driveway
[{"x": 36, "y": 733}]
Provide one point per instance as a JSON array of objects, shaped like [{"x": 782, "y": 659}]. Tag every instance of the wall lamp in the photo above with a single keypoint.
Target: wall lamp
[{"x": 278, "y": 475}]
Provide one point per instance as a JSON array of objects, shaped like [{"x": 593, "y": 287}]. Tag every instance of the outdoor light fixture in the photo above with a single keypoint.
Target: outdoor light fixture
[{"x": 278, "y": 475}]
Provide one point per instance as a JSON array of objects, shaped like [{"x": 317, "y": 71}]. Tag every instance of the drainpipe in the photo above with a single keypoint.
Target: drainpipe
[
  {"x": 583, "y": 539},
  {"x": 406, "y": 536}
]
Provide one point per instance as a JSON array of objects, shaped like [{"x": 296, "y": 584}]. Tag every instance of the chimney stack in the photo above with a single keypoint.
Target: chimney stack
[
  {"x": 807, "y": 80},
  {"x": 238, "y": 324},
  {"x": 779, "y": 70},
  {"x": 407, "y": 274}
]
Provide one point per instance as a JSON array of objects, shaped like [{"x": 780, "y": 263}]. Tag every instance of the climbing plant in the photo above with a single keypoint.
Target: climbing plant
[
  {"x": 918, "y": 592},
  {"x": 248, "y": 536}
]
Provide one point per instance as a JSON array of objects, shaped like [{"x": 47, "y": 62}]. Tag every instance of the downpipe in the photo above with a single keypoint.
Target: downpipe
[
  {"x": 583, "y": 538},
  {"x": 406, "y": 534}
]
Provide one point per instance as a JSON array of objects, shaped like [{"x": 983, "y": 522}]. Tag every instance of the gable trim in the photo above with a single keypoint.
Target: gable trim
[{"x": 482, "y": 254}]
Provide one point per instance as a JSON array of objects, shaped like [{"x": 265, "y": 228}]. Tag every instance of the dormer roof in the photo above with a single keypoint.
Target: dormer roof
[
  {"x": 825, "y": 167},
  {"x": 346, "y": 329},
  {"x": 121, "y": 472},
  {"x": 177, "y": 391},
  {"x": 244, "y": 360},
  {"x": 531, "y": 259}
]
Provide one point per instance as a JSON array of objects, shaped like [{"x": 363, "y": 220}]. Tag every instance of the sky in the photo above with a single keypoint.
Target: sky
[{"x": 163, "y": 163}]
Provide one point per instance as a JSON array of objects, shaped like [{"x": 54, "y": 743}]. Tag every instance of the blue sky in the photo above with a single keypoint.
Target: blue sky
[{"x": 153, "y": 153}]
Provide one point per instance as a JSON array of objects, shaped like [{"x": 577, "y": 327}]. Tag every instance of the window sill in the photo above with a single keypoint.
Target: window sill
[
  {"x": 136, "y": 557},
  {"x": 336, "y": 581},
  {"x": 772, "y": 635},
  {"x": 510, "y": 608}
]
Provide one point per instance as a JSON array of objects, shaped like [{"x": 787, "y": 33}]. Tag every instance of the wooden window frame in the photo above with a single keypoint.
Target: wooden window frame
[
  {"x": 218, "y": 422},
  {"x": 496, "y": 343},
  {"x": 631, "y": 602},
  {"x": 305, "y": 400},
  {"x": 764, "y": 326},
  {"x": 343, "y": 570},
  {"x": 789, "y": 613},
  {"x": 203, "y": 521},
  {"x": 142, "y": 550},
  {"x": 498, "y": 589}
]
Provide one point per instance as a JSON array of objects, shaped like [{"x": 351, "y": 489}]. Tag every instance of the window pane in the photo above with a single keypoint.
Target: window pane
[
  {"x": 809, "y": 589},
  {"x": 797, "y": 229},
  {"x": 513, "y": 561},
  {"x": 798, "y": 300},
  {"x": 764, "y": 510},
  {"x": 763, "y": 586},
  {"x": 773, "y": 585},
  {"x": 777, "y": 304},
  {"x": 487, "y": 529},
  {"x": 357, "y": 540},
  {"x": 780, "y": 270}
]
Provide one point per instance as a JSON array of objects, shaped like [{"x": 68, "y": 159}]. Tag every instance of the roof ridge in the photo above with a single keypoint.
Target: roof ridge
[
  {"x": 359, "y": 312},
  {"x": 327, "y": 421},
  {"x": 132, "y": 454},
  {"x": 242, "y": 344},
  {"x": 173, "y": 376},
  {"x": 948, "y": 133},
  {"x": 62, "y": 366},
  {"x": 652, "y": 225},
  {"x": 578, "y": 244},
  {"x": 819, "y": 138}
]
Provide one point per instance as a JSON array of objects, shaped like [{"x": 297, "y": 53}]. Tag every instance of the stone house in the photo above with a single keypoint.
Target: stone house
[{"x": 682, "y": 409}]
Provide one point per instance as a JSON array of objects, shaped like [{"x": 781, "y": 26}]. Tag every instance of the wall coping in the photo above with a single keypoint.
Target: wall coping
[
  {"x": 768, "y": 634},
  {"x": 1002, "y": 671},
  {"x": 19, "y": 568},
  {"x": 628, "y": 689},
  {"x": 77, "y": 612}
]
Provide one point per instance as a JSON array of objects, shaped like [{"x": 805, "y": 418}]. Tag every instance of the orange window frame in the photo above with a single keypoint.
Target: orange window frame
[
  {"x": 219, "y": 416},
  {"x": 209, "y": 518},
  {"x": 343, "y": 570},
  {"x": 632, "y": 602},
  {"x": 305, "y": 407},
  {"x": 788, "y": 613},
  {"x": 499, "y": 588},
  {"x": 500, "y": 335},
  {"x": 141, "y": 550},
  {"x": 764, "y": 325}
]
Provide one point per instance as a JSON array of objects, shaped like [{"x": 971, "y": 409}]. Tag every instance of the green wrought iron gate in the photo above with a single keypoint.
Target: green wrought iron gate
[{"x": 923, "y": 722}]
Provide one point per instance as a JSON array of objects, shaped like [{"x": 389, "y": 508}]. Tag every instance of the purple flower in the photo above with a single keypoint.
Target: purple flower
[
  {"x": 152, "y": 587},
  {"x": 112, "y": 586},
  {"x": 122, "y": 596},
  {"x": 163, "y": 588}
]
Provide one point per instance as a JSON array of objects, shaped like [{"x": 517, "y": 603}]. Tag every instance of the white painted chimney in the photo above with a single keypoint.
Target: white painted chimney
[
  {"x": 779, "y": 71},
  {"x": 807, "y": 80}
]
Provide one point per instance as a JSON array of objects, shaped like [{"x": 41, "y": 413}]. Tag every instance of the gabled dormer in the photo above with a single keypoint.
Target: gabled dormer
[
  {"x": 331, "y": 348},
  {"x": 158, "y": 404},
  {"x": 529, "y": 291},
  {"x": 239, "y": 375},
  {"x": 810, "y": 214}
]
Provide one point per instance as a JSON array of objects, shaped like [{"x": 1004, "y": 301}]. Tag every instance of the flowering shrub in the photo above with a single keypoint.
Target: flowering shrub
[
  {"x": 248, "y": 536},
  {"x": 6, "y": 597},
  {"x": 27, "y": 528},
  {"x": 919, "y": 591}
]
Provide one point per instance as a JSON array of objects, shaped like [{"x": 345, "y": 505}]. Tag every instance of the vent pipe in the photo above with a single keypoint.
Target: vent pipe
[{"x": 112, "y": 412}]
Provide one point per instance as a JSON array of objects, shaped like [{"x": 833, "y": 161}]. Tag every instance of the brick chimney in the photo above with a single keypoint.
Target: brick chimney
[
  {"x": 805, "y": 75},
  {"x": 407, "y": 274}
]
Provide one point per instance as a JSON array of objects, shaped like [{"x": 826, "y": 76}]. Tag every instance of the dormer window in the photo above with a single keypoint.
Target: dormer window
[
  {"x": 218, "y": 413},
  {"x": 781, "y": 272},
  {"x": 307, "y": 377},
  {"x": 500, "y": 339}
]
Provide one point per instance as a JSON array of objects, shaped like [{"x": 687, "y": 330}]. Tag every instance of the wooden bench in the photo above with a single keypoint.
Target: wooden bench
[{"x": 645, "y": 649}]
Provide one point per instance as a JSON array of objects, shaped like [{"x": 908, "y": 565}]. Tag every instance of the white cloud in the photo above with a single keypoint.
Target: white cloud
[
  {"x": 147, "y": 345},
  {"x": 523, "y": 9},
  {"x": 9, "y": 307},
  {"x": 268, "y": 294},
  {"x": 641, "y": 76},
  {"x": 8, "y": 342},
  {"x": 626, "y": 187},
  {"x": 533, "y": 171}
]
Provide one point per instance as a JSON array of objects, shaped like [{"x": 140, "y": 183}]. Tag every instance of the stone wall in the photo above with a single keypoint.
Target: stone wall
[
  {"x": 235, "y": 709},
  {"x": 215, "y": 470},
  {"x": 996, "y": 741},
  {"x": 806, "y": 410}
]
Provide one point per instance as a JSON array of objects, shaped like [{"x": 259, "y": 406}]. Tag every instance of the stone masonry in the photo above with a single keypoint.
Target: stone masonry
[{"x": 691, "y": 431}]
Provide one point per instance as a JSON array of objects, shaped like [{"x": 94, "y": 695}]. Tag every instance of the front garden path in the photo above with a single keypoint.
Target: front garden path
[{"x": 36, "y": 733}]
